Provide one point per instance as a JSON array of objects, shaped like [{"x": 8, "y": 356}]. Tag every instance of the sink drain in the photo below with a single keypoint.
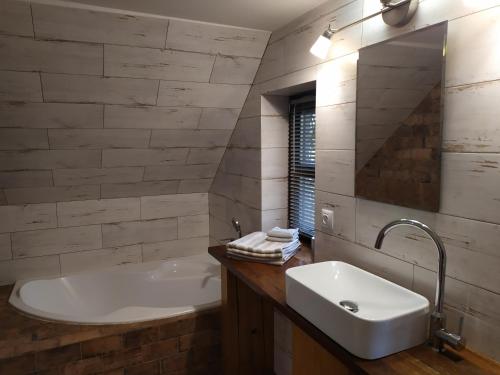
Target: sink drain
[{"x": 349, "y": 305}]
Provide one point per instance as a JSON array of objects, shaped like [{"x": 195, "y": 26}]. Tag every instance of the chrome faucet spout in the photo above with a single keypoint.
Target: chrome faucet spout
[
  {"x": 438, "y": 334},
  {"x": 439, "y": 246},
  {"x": 236, "y": 226}
]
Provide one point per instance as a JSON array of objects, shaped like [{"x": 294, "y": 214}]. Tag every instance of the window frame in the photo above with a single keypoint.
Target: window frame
[{"x": 299, "y": 170}]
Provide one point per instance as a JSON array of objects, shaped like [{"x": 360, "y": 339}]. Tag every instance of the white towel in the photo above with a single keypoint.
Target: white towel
[
  {"x": 256, "y": 248},
  {"x": 256, "y": 243},
  {"x": 283, "y": 233},
  {"x": 282, "y": 239},
  {"x": 252, "y": 254},
  {"x": 248, "y": 242},
  {"x": 278, "y": 262},
  {"x": 260, "y": 251},
  {"x": 275, "y": 261}
]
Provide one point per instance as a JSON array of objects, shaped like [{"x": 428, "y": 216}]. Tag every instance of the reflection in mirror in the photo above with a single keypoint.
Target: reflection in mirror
[{"x": 398, "y": 119}]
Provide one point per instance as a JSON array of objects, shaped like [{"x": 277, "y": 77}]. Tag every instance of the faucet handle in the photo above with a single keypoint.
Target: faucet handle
[{"x": 455, "y": 340}]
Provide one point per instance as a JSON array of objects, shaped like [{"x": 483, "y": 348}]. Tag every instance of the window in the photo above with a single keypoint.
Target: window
[{"x": 301, "y": 164}]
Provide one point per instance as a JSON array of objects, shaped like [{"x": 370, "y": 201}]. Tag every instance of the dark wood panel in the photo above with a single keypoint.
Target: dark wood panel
[
  {"x": 229, "y": 328},
  {"x": 311, "y": 358},
  {"x": 247, "y": 329},
  {"x": 268, "y": 326},
  {"x": 251, "y": 331}
]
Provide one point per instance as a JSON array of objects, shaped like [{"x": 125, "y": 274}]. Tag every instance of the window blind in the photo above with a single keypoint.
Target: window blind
[{"x": 301, "y": 164}]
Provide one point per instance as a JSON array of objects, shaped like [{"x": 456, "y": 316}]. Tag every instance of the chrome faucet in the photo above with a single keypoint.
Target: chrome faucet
[
  {"x": 438, "y": 335},
  {"x": 236, "y": 226}
]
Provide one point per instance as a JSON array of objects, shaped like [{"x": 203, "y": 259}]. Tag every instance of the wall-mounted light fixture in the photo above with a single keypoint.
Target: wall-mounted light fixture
[
  {"x": 394, "y": 14},
  {"x": 322, "y": 45}
]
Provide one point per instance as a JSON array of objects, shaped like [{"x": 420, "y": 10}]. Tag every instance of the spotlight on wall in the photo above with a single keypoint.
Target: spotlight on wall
[
  {"x": 322, "y": 45},
  {"x": 395, "y": 14}
]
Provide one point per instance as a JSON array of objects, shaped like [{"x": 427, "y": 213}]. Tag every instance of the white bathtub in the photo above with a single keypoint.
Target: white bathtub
[{"x": 124, "y": 294}]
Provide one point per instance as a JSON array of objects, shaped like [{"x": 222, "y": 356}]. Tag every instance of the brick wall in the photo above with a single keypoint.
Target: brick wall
[
  {"x": 112, "y": 126},
  {"x": 171, "y": 346}
]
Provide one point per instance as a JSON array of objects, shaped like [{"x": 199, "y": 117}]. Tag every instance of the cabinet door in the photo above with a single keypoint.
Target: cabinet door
[
  {"x": 247, "y": 329},
  {"x": 256, "y": 330},
  {"x": 229, "y": 301},
  {"x": 311, "y": 358}
]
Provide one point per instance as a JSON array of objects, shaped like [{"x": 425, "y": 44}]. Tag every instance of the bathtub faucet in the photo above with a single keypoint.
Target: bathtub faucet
[{"x": 236, "y": 226}]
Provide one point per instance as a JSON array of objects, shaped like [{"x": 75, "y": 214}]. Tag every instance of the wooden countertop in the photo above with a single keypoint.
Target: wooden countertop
[{"x": 269, "y": 282}]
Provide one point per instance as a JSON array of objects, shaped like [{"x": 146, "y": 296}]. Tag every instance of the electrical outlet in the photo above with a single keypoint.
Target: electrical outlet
[{"x": 327, "y": 219}]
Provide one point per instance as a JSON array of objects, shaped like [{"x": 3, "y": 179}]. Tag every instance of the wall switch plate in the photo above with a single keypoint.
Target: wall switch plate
[{"x": 327, "y": 219}]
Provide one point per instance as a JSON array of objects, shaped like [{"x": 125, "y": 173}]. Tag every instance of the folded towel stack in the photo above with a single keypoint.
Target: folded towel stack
[{"x": 257, "y": 247}]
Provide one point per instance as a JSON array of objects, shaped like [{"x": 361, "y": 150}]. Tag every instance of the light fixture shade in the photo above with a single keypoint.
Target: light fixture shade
[{"x": 322, "y": 45}]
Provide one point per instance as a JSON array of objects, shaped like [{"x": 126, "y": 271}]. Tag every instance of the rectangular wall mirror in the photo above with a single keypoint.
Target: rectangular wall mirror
[{"x": 399, "y": 117}]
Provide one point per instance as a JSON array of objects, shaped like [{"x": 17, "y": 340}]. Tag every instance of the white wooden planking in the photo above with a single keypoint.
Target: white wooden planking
[
  {"x": 65, "y": 23},
  {"x": 87, "y": 89},
  {"x": 193, "y": 226},
  {"x": 50, "y": 56},
  {"x": 194, "y": 94},
  {"x": 50, "y": 115},
  {"x": 98, "y": 138},
  {"x": 469, "y": 186},
  {"x": 50, "y": 194},
  {"x": 27, "y": 268},
  {"x": 470, "y": 59},
  {"x": 211, "y": 38},
  {"x": 179, "y": 172},
  {"x": 139, "y": 232},
  {"x": 139, "y": 189},
  {"x": 234, "y": 69},
  {"x": 56, "y": 241},
  {"x": 27, "y": 217},
  {"x": 471, "y": 118},
  {"x": 174, "y": 205},
  {"x": 16, "y": 179},
  {"x": 15, "y": 18},
  {"x": 189, "y": 138},
  {"x": 23, "y": 139},
  {"x": 143, "y": 157},
  {"x": 20, "y": 86},
  {"x": 49, "y": 159},
  {"x": 71, "y": 214},
  {"x": 218, "y": 118},
  {"x": 148, "y": 117},
  {"x": 335, "y": 171},
  {"x": 122, "y": 61},
  {"x": 93, "y": 176},
  {"x": 102, "y": 258},
  {"x": 174, "y": 249}
]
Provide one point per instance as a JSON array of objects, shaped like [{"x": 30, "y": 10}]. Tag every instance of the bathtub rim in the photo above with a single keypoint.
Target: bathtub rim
[{"x": 16, "y": 303}]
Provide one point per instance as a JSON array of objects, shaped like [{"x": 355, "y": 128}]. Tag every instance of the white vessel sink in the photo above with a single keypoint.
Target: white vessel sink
[{"x": 389, "y": 318}]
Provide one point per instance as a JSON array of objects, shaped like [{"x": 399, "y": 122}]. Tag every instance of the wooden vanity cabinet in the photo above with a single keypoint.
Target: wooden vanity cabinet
[
  {"x": 311, "y": 358},
  {"x": 248, "y": 336},
  {"x": 250, "y": 293},
  {"x": 247, "y": 329}
]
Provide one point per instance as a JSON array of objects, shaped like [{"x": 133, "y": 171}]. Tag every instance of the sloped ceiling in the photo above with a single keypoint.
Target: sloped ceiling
[{"x": 256, "y": 14}]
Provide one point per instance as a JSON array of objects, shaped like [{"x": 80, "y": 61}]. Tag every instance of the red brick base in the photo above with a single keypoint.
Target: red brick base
[{"x": 188, "y": 344}]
